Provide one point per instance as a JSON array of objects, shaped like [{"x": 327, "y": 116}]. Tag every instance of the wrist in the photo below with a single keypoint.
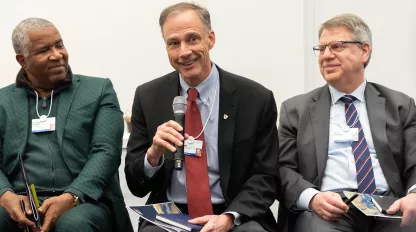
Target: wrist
[
  {"x": 5, "y": 196},
  {"x": 230, "y": 218},
  {"x": 152, "y": 157},
  {"x": 311, "y": 203},
  {"x": 72, "y": 198}
]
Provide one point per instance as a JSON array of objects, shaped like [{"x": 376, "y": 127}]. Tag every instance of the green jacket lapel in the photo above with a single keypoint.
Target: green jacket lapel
[{"x": 65, "y": 101}]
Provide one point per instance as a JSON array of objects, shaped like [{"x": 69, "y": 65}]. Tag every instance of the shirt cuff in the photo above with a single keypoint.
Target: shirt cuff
[
  {"x": 411, "y": 188},
  {"x": 237, "y": 217},
  {"x": 149, "y": 170},
  {"x": 80, "y": 195},
  {"x": 305, "y": 198}
]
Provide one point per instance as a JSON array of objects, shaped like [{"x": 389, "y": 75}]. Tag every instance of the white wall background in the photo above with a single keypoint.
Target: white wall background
[
  {"x": 269, "y": 41},
  {"x": 262, "y": 40},
  {"x": 393, "y": 25}
]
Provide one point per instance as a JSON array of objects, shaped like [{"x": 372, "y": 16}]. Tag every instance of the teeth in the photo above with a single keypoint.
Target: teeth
[{"x": 189, "y": 63}]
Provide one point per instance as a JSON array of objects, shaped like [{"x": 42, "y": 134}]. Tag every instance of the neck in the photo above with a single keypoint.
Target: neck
[
  {"x": 349, "y": 86},
  {"x": 43, "y": 92}
]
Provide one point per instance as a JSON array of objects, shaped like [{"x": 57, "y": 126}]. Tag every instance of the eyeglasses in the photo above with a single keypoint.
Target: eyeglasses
[{"x": 336, "y": 46}]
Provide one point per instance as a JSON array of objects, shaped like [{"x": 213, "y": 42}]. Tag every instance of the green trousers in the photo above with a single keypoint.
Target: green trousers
[{"x": 82, "y": 218}]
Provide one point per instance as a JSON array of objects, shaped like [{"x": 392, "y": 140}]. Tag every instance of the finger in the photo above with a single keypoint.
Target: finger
[
  {"x": 200, "y": 220},
  {"x": 407, "y": 218},
  {"x": 207, "y": 227},
  {"x": 27, "y": 205},
  {"x": 23, "y": 220},
  {"x": 332, "y": 209},
  {"x": 186, "y": 136},
  {"x": 329, "y": 216},
  {"x": 47, "y": 222},
  {"x": 45, "y": 206},
  {"x": 175, "y": 135},
  {"x": 337, "y": 202},
  {"x": 395, "y": 207},
  {"x": 169, "y": 136},
  {"x": 160, "y": 142},
  {"x": 174, "y": 125}
]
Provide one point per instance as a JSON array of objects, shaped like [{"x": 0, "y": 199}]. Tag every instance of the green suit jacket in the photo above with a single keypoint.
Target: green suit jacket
[{"x": 89, "y": 128}]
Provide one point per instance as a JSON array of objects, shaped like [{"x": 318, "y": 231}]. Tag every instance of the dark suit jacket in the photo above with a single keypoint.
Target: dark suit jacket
[
  {"x": 304, "y": 135},
  {"x": 89, "y": 129},
  {"x": 247, "y": 144}
]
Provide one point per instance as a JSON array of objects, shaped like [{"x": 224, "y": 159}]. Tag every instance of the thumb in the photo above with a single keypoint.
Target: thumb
[
  {"x": 44, "y": 208},
  {"x": 394, "y": 207}
]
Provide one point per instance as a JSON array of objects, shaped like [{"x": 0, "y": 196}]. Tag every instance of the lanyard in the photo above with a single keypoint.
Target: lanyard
[
  {"x": 209, "y": 115},
  {"x": 43, "y": 117}
]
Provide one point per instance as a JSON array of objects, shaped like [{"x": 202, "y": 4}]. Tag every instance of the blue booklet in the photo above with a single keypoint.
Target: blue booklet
[
  {"x": 179, "y": 220},
  {"x": 149, "y": 213}
]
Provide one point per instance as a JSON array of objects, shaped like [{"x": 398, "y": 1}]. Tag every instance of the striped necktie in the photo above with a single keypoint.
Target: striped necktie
[{"x": 364, "y": 167}]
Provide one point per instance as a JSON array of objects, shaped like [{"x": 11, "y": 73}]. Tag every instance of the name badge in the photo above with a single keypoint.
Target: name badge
[
  {"x": 193, "y": 147},
  {"x": 43, "y": 125},
  {"x": 351, "y": 135}
]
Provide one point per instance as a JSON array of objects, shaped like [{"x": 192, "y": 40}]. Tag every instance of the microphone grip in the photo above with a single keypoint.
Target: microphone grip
[{"x": 179, "y": 154}]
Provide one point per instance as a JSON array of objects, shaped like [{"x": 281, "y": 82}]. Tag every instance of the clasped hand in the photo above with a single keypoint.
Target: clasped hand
[{"x": 215, "y": 223}]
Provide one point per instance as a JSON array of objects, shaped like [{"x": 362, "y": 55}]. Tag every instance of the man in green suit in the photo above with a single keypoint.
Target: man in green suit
[{"x": 68, "y": 129}]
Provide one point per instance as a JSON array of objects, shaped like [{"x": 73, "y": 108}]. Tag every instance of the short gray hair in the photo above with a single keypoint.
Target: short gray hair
[
  {"x": 20, "y": 38},
  {"x": 359, "y": 29},
  {"x": 184, "y": 6}
]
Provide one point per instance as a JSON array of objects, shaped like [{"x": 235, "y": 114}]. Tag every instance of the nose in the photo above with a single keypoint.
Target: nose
[
  {"x": 185, "y": 51},
  {"x": 55, "y": 54},
  {"x": 327, "y": 54}
]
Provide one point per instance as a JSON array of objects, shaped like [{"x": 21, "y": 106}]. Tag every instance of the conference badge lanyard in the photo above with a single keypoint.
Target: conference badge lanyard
[
  {"x": 346, "y": 134},
  {"x": 193, "y": 146},
  {"x": 43, "y": 123}
]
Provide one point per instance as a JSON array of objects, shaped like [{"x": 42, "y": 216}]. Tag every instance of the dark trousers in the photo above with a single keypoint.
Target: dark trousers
[
  {"x": 248, "y": 226},
  {"x": 353, "y": 221}
]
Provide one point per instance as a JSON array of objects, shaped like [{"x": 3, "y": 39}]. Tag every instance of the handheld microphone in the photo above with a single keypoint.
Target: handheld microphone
[{"x": 179, "y": 109}]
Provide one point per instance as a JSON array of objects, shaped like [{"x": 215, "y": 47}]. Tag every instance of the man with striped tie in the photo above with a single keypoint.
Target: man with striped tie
[{"x": 347, "y": 135}]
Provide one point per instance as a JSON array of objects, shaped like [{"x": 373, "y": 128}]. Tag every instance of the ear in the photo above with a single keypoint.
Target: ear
[
  {"x": 21, "y": 60},
  {"x": 211, "y": 37},
  {"x": 366, "y": 48}
]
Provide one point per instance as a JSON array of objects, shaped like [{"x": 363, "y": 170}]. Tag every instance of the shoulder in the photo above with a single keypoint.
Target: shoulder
[
  {"x": 243, "y": 86},
  {"x": 302, "y": 100},
  {"x": 391, "y": 95},
  {"x": 160, "y": 82},
  {"x": 90, "y": 80}
]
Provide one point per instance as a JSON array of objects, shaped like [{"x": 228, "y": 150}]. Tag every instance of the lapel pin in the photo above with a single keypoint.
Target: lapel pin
[{"x": 225, "y": 116}]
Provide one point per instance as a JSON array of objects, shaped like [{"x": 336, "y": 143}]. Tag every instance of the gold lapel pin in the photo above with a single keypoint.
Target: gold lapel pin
[{"x": 225, "y": 116}]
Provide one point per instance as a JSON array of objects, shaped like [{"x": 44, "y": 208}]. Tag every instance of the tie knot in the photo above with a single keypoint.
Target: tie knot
[
  {"x": 348, "y": 99},
  {"x": 192, "y": 94}
]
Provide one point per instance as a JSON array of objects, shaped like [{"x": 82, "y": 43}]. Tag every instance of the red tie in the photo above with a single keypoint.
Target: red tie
[{"x": 197, "y": 183}]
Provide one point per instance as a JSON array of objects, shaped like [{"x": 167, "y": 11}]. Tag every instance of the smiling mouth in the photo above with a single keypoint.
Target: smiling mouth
[{"x": 189, "y": 63}]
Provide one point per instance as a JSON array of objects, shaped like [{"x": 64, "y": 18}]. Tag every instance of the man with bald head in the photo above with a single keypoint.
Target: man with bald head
[{"x": 67, "y": 129}]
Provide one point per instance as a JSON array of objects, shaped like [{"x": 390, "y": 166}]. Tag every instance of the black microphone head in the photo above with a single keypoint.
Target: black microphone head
[{"x": 179, "y": 105}]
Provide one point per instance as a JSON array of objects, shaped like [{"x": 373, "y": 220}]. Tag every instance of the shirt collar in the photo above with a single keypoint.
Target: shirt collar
[
  {"x": 358, "y": 93},
  {"x": 204, "y": 88}
]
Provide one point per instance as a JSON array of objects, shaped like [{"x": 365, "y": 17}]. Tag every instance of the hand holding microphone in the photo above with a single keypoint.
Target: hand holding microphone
[{"x": 170, "y": 136}]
